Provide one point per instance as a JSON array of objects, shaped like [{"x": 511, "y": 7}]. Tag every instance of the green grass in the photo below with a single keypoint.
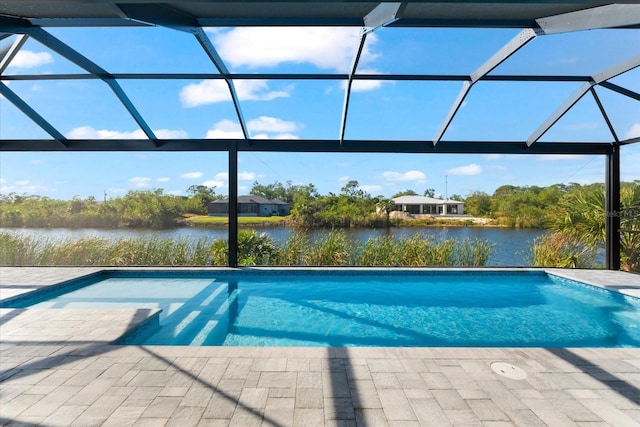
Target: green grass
[{"x": 223, "y": 220}]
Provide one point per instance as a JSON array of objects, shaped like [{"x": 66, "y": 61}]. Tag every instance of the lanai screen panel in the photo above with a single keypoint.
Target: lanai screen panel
[{"x": 390, "y": 77}]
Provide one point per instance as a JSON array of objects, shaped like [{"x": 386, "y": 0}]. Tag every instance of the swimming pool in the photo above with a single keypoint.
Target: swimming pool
[{"x": 343, "y": 308}]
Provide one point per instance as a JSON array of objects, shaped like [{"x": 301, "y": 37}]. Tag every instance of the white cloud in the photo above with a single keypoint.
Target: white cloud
[
  {"x": 326, "y": 48},
  {"x": 214, "y": 91},
  {"x": 227, "y": 129},
  {"x": 492, "y": 156},
  {"x": 344, "y": 179},
  {"x": 633, "y": 132},
  {"x": 140, "y": 182},
  {"x": 271, "y": 124},
  {"x": 222, "y": 177},
  {"x": 87, "y": 132},
  {"x": 36, "y": 162},
  {"x": 170, "y": 134},
  {"x": 472, "y": 169},
  {"x": 365, "y": 85},
  {"x": 191, "y": 175},
  {"x": 417, "y": 176},
  {"x": 163, "y": 179},
  {"x": 29, "y": 59},
  {"x": 23, "y": 186},
  {"x": 248, "y": 176},
  {"x": 212, "y": 183},
  {"x": 374, "y": 188}
]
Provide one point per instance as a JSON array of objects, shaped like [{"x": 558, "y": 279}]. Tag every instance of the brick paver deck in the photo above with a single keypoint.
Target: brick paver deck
[{"x": 58, "y": 368}]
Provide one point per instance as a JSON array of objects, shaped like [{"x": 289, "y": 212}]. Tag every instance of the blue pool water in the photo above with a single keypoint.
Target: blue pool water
[{"x": 368, "y": 308}]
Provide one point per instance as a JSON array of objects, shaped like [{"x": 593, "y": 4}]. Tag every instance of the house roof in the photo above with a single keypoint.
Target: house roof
[{"x": 421, "y": 200}]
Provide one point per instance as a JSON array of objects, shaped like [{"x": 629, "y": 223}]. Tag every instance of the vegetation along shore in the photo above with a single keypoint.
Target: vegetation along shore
[{"x": 573, "y": 213}]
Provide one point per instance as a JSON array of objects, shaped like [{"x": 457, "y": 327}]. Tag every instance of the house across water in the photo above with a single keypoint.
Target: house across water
[
  {"x": 428, "y": 205},
  {"x": 250, "y": 206}
]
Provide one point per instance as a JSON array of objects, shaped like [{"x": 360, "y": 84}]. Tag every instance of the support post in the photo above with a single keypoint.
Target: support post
[
  {"x": 612, "y": 220},
  {"x": 233, "y": 205}
]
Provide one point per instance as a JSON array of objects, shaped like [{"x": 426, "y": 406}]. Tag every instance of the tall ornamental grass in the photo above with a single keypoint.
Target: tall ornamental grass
[
  {"x": 334, "y": 249},
  {"x": 563, "y": 251}
]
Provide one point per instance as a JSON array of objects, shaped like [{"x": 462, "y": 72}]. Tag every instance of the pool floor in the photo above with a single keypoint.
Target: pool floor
[{"x": 388, "y": 309}]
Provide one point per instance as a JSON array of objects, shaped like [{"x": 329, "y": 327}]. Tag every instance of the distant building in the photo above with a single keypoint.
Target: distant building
[
  {"x": 250, "y": 206},
  {"x": 428, "y": 205}
]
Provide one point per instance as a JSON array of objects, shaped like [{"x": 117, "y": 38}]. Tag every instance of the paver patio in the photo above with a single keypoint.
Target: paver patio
[{"x": 58, "y": 368}]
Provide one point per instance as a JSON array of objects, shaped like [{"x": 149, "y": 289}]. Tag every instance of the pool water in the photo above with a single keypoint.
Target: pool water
[{"x": 372, "y": 308}]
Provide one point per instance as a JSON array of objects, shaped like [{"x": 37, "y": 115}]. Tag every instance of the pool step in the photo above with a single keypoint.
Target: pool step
[{"x": 198, "y": 319}]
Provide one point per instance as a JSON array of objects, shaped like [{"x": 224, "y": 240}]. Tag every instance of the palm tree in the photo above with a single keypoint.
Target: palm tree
[{"x": 581, "y": 215}]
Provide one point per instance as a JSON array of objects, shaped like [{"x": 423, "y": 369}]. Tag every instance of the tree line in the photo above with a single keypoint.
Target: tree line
[
  {"x": 136, "y": 209},
  {"x": 509, "y": 206},
  {"x": 574, "y": 213}
]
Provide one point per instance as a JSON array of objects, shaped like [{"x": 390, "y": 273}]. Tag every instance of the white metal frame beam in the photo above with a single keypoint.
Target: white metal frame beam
[
  {"x": 7, "y": 54},
  {"x": 166, "y": 17},
  {"x": 382, "y": 15},
  {"x": 347, "y": 92},
  {"x": 609, "y": 16},
  {"x": 515, "y": 44},
  {"x": 12, "y": 97},
  {"x": 573, "y": 99},
  {"x": 83, "y": 62}
]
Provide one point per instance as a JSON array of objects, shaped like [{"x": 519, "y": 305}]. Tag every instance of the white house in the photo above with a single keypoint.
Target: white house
[{"x": 428, "y": 205}]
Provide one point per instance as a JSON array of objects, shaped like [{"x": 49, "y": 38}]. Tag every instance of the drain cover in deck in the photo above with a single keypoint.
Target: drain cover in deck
[{"x": 508, "y": 370}]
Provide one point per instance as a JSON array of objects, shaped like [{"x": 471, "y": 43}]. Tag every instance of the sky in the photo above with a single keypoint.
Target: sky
[{"x": 312, "y": 109}]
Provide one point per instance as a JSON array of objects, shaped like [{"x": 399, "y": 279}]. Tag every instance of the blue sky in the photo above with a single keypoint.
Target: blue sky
[{"x": 312, "y": 109}]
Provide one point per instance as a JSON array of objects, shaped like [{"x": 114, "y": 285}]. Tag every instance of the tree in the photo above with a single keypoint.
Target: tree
[
  {"x": 404, "y": 193},
  {"x": 429, "y": 192},
  {"x": 478, "y": 203},
  {"x": 271, "y": 191},
  {"x": 385, "y": 206},
  {"x": 202, "y": 195},
  {"x": 352, "y": 189}
]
